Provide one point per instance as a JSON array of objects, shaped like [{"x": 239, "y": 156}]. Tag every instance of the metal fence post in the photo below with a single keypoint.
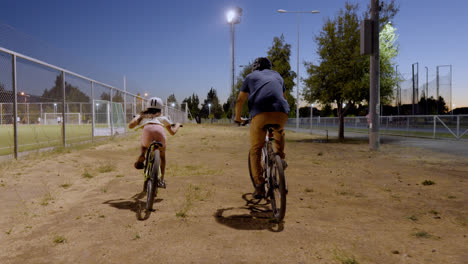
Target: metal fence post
[
  {"x": 1, "y": 114},
  {"x": 125, "y": 104},
  {"x": 407, "y": 125},
  {"x": 186, "y": 113},
  {"x": 15, "y": 107},
  {"x": 458, "y": 126},
  {"x": 63, "y": 110},
  {"x": 110, "y": 114},
  {"x": 435, "y": 122},
  {"x": 27, "y": 112},
  {"x": 93, "y": 116}
]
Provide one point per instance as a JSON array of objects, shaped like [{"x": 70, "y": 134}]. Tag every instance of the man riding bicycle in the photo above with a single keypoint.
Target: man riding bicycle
[{"x": 265, "y": 91}]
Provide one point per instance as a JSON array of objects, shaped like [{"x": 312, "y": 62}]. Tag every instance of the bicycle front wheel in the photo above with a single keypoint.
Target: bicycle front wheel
[
  {"x": 278, "y": 189},
  {"x": 152, "y": 185}
]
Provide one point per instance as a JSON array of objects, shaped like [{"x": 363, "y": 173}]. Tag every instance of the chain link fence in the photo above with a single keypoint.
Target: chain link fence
[
  {"x": 44, "y": 106},
  {"x": 425, "y": 126},
  {"x": 423, "y": 92}
]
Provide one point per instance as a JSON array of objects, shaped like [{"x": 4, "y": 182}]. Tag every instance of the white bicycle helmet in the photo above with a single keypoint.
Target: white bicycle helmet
[{"x": 154, "y": 103}]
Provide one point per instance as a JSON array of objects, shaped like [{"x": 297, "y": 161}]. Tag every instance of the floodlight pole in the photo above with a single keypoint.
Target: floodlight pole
[
  {"x": 298, "y": 78},
  {"x": 374, "y": 100},
  {"x": 234, "y": 19},
  {"x": 232, "y": 71},
  {"x": 427, "y": 89}
]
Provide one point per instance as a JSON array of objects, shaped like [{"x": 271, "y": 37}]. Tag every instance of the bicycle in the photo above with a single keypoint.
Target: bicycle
[
  {"x": 275, "y": 181},
  {"x": 152, "y": 173}
]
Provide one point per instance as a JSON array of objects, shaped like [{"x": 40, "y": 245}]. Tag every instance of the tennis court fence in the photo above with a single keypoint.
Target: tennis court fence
[{"x": 44, "y": 106}]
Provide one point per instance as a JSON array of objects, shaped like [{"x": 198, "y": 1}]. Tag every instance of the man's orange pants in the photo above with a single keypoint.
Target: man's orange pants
[{"x": 257, "y": 140}]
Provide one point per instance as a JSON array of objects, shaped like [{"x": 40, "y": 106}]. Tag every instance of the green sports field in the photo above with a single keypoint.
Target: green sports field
[{"x": 32, "y": 137}]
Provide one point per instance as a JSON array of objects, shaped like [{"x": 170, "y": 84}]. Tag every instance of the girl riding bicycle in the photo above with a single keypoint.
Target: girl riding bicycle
[{"x": 153, "y": 123}]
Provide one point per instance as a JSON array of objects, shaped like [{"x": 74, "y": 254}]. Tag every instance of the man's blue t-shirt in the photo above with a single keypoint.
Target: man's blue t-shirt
[{"x": 265, "y": 89}]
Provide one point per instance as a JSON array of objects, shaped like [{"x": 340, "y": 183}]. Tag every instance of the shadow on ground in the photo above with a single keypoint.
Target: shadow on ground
[
  {"x": 255, "y": 215},
  {"x": 135, "y": 205}
]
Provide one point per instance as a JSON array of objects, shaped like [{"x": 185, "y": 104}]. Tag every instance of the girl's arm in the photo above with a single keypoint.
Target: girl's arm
[
  {"x": 173, "y": 129},
  {"x": 135, "y": 121}
]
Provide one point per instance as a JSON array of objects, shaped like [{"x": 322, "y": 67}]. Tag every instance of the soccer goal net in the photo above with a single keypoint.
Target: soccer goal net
[
  {"x": 56, "y": 118},
  {"x": 109, "y": 118}
]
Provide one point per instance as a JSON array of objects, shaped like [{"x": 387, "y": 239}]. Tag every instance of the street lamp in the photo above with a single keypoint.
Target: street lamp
[
  {"x": 297, "y": 84},
  {"x": 173, "y": 104},
  {"x": 55, "y": 107},
  {"x": 146, "y": 94},
  {"x": 209, "y": 110},
  {"x": 233, "y": 17}
]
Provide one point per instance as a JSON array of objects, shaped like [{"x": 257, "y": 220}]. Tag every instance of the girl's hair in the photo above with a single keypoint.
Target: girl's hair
[{"x": 150, "y": 113}]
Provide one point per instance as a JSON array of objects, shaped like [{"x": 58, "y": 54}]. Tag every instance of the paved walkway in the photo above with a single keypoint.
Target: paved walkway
[{"x": 456, "y": 147}]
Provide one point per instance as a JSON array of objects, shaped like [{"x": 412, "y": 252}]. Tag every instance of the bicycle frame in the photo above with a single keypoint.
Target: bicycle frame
[
  {"x": 268, "y": 153},
  {"x": 149, "y": 161}
]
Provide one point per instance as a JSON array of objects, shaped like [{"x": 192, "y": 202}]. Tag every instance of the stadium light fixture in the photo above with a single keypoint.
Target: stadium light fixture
[
  {"x": 172, "y": 104},
  {"x": 231, "y": 14}
]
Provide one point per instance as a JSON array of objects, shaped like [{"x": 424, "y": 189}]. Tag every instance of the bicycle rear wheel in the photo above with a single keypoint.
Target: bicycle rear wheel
[
  {"x": 278, "y": 189},
  {"x": 152, "y": 184}
]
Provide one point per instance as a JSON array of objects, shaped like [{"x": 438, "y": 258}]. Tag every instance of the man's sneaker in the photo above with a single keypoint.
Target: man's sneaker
[
  {"x": 140, "y": 163},
  {"x": 162, "y": 184},
  {"x": 259, "y": 192}
]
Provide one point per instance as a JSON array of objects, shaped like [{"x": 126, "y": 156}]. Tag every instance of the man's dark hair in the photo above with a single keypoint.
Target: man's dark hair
[{"x": 261, "y": 63}]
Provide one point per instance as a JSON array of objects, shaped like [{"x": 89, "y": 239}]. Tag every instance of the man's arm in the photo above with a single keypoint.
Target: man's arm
[{"x": 239, "y": 103}]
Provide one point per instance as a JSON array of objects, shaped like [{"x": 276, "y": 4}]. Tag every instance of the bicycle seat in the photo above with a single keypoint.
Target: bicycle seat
[
  {"x": 271, "y": 126},
  {"x": 159, "y": 144}
]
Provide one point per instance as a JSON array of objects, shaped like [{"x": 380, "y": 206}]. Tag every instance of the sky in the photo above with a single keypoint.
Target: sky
[{"x": 183, "y": 46}]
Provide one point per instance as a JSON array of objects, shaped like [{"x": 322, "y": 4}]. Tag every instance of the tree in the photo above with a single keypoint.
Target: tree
[
  {"x": 342, "y": 75},
  {"x": 5, "y": 96},
  {"x": 172, "y": 100},
  {"x": 193, "y": 105},
  {"x": 72, "y": 94},
  {"x": 105, "y": 96},
  {"x": 279, "y": 55},
  {"x": 246, "y": 70},
  {"x": 216, "y": 110},
  {"x": 117, "y": 97}
]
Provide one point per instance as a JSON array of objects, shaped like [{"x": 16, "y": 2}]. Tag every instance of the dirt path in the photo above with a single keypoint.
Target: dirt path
[{"x": 345, "y": 203}]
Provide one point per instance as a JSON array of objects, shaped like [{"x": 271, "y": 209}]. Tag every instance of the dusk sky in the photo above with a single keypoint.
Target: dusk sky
[{"x": 183, "y": 46}]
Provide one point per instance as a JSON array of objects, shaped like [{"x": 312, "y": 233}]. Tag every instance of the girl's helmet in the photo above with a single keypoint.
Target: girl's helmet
[{"x": 154, "y": 103}]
